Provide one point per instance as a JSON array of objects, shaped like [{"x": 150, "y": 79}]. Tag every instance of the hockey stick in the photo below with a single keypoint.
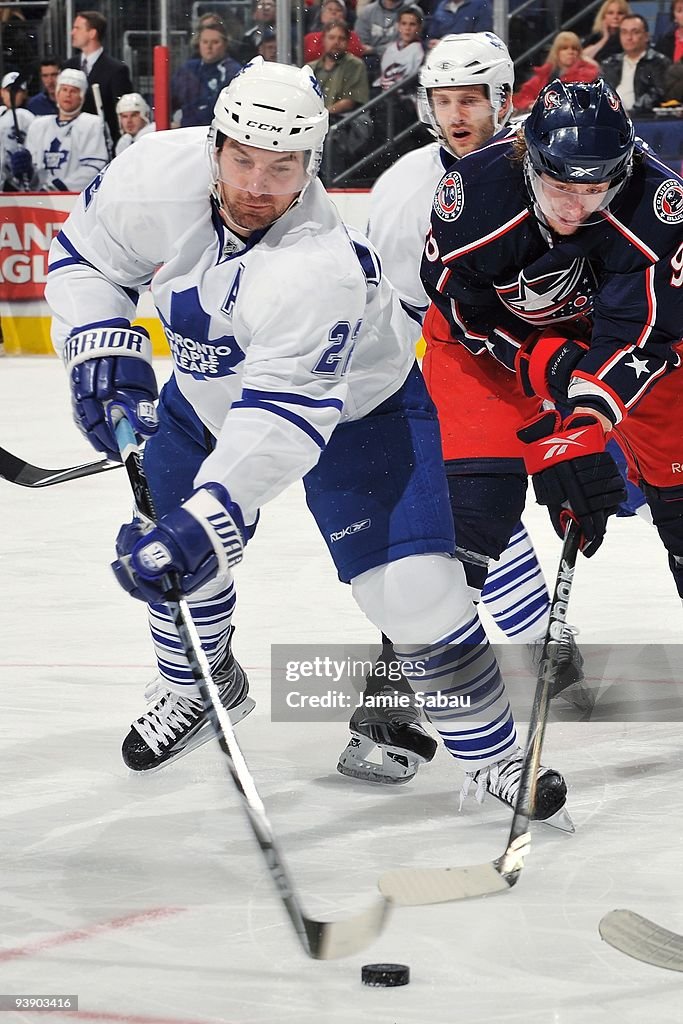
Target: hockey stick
[
  {"x": 21, "y": 137},
  {"x": 18, "y": 471},
  {"x": 411, "y": 887},
  {"x": 99, "y": 107},
  {"x": 642, "y": 939},
  {"x": 321, "y": 940}
]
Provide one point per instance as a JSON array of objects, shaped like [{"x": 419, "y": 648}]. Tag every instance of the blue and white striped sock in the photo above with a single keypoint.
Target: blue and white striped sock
[
  {"x": 515, "y": 592},
  {"x": 211, "y": 615},
  {"x": 477, "y": 728}
]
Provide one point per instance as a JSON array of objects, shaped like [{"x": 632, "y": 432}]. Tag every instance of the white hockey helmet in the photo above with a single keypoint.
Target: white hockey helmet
[
  {"x": 133, "y": 103},
  {"x": 73, "y": 77},
  {"x": 275, "y": 107},
  {"x": 469, "y": 58}
]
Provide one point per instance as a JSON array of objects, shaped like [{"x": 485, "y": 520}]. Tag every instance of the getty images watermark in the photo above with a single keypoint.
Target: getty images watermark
[{"x": 312, "y": 683}]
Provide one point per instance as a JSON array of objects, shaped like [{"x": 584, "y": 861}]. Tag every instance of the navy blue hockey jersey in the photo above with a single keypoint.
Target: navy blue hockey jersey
[{"x": 498, "y": 276}]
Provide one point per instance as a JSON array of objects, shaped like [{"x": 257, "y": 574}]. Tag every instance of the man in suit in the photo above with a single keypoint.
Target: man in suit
[{"x": 112, "y": 76}]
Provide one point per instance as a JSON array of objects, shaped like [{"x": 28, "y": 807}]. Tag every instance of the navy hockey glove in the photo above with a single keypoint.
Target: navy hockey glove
[
  {"x": 573, "y": 474},
  {"x": 21, "y": 162},
  {"x": 545, "y": 364},
  {"x": 110, "y": 367},
  {"x": 199, "y": 540}
]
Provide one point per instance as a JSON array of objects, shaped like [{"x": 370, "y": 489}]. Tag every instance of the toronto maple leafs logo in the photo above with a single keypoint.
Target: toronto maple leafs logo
[
  {"x": 545, "y": 298},
  {"x": 54, "y": 156},
  {"x": 188, "y": 331},
  {"x": 449, "y": 200},
  {"x": 668, "y": 201}
]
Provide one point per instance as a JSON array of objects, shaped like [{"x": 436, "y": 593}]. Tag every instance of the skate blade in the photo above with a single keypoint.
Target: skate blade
[
  {"x": 560, "y": 820},
  {"x": 396, "y": 768},
  {"x": 578, "y": 696},
  {"x": 201, "y": 737}
]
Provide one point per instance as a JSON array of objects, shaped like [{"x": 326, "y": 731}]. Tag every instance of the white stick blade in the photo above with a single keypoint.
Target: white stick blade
[
  {"x": 337, "y": 939},
  {"x": 420, "y": 887},
  {"x": 642, "y": 939}
]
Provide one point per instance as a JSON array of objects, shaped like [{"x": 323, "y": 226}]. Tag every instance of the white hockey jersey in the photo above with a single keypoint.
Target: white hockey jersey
[
  {"x": 66, "y": 153},
  {"x": 127, "y": 140},
  {"x": 261, "y": 334},
  {"x": 8, "y": 137},
  {"x": 400, "y": 212}
]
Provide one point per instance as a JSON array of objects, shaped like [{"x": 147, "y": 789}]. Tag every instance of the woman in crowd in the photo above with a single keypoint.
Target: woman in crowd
[{"x": 565, "y": 61}]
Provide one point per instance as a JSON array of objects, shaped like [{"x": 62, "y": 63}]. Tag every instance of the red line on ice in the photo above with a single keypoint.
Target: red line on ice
[{"x": 91, "y": 932}]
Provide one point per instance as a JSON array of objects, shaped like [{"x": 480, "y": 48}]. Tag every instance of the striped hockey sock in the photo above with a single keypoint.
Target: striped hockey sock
[
  {"x": 515, "y": 593},
  {"x": 212, "y": 616},
  {"x": 463, "y": 694}
]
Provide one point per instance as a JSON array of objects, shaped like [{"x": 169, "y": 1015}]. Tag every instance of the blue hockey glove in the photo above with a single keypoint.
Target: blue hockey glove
[
  {"x": 199, "y": 540},
  {"x": 21, "y": 162},
  {"x": 110, "y": 368},
  {"x": 573, "y": 474}
]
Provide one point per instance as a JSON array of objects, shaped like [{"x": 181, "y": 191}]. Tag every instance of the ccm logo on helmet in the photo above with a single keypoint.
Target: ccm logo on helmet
[{"x": 264, "y": 127}]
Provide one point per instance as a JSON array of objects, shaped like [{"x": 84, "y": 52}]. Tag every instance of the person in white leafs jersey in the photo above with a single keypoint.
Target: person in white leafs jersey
[
  {"x": 64, "y": 151},
  {"x": 133, "y": 113},
  {"x": 292, "y": 359},
  {"x": 464, "y": 96}
]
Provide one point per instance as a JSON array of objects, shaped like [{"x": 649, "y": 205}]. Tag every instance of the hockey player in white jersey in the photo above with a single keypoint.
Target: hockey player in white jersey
[
  {"x": 14, "y": 123},
  {"x": 292, "y": 359},
  {"x": 133, "y": 113},
  {"x": 64, "y": 151},
  {"x": 465, "y": 97}
]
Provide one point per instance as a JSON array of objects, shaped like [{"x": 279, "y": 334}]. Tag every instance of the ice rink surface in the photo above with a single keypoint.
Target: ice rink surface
[{"x": 148, "y": 898}]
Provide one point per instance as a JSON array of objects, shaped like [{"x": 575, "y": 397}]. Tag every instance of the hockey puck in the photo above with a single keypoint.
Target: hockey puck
[{"x": 385, "y": 975}]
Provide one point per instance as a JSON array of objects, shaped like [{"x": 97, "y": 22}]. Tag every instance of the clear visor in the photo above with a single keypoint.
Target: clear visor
[
  {"x": 259, "y": 171},
  {"x": 574, "y": 205}
]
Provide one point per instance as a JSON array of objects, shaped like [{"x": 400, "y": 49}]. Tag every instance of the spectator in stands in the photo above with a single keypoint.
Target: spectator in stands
[
  {"x": 264, "y": 16},
  {"x": 343, "y": 79},
  {"x": 45, "y": 101},
  {"x": 604, "y": 40},
  {"x": 454, "y": 16},
  {"x": 671, "y": 42},
  {"x": 65, "y": 151},
  {"x": 331, "y": 10},
  {"x": 377, "y": 26},
  {"x": 18, "y": 46},
  {"x": 134, "y": 120},
  {"x": 13, "y": 94},
  {"x": 112, "y": 76},
  {"x": 196, "y": 84},
  {"x": 639, "y": 73},
  {"x": 267, "y": 48},
  {"x": 403, "y": 57},
  {"x": 565, "y": 61}
]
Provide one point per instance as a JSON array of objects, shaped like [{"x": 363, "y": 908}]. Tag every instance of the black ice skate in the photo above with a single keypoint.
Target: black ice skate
[
  {"x": 569, "y": 681},
  {"x": 388, "y": 724},
  {"x": 502, "y": 781},
  {"x": 174, "y": 725}
]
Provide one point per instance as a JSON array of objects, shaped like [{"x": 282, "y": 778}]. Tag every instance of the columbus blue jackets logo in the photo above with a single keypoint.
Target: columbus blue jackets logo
[
  {"x": 552, "y": 100},
  {"x": 668, "y": 202},
  {"x": 545, "y": 298},
  {"x": 449, "y": 201}
]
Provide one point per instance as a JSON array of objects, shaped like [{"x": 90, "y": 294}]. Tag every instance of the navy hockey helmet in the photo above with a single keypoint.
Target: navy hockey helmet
[{"x": 579, "y": 131}]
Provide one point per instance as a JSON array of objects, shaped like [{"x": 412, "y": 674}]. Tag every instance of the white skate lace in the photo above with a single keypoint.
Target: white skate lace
[
  {"x": 171, "y": 715},
  {"x": 501, "y": 779},
  {"x": 566, "y": 647}
]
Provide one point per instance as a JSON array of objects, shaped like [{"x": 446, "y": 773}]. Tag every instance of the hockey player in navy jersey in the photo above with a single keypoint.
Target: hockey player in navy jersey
[
  {"x": 292, "y": 359},
  {"x": 592, "y": 320},
  {"x": 465, "y": 97}
]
